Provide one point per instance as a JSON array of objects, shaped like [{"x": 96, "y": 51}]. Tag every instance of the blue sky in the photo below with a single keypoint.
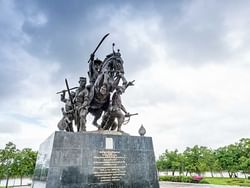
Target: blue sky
[{"x": 190, "y": 60}]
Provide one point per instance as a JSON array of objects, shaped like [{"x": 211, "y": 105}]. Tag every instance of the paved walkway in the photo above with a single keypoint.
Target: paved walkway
[
  {"x": 180, "y": 185},
  {"x": 191, "y": 185}
]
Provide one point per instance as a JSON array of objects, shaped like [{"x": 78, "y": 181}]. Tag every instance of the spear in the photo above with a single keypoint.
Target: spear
[
  {"x": 66, "y": 90},
  {"x": 70, "y": 97}
]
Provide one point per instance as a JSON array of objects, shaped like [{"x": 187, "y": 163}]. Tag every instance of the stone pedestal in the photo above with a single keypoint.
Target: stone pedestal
[{"x": 95, "y": 160}]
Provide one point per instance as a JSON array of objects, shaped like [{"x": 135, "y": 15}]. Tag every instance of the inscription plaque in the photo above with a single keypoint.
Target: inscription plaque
[
  {"x": 109, "y": 143},
  {"x": 109, "y": 166}
]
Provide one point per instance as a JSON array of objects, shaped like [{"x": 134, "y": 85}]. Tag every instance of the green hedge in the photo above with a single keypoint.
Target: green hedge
[{"x": 186, "y": 179}]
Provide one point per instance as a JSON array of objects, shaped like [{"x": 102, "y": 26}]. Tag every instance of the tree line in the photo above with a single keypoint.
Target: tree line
[
  {"x": 16, "y": 163},
  {"x": 232, "y": 159}
]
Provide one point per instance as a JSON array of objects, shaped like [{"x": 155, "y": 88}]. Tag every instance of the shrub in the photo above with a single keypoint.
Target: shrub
[
  {"x": 185, "y": 179},
  {"x": 196, "y": 179},
  {"x": 204, "y": 182}
]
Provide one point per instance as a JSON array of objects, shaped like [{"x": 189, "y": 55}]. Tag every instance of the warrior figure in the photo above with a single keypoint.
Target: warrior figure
[
  {"x": 81, "y": 105},
  {"x": 94, "y": 69},
  {"x": 68, "y": 113},
  {"x": 115, "y": 111}
]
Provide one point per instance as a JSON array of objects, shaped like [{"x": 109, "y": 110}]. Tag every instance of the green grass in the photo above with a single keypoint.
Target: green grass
[
  {"x": 215, "y": 181},
  {"x": 227, "y": 181}
]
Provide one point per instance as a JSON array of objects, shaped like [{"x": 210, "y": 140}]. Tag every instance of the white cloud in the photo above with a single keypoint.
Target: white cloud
[
  {"x": 204, "y": 102},
  {"x": 184, "y": 105},
  {"x": 38, "y": 19},
  {"x": 27, "y": 134}
]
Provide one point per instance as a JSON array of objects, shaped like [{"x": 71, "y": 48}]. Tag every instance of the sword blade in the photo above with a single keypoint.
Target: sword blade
[
  {"x": 105, "y": 36},
  {"x": 100, "y": 43}
]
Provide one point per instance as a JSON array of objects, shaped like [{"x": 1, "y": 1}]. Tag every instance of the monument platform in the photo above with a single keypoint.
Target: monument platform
[{"x": 106, "y": 159}]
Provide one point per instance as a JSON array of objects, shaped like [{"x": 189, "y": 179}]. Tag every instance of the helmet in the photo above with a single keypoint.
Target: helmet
[
  {"x": 72, "y": 93},
  {"x": 82, "y": 79}
]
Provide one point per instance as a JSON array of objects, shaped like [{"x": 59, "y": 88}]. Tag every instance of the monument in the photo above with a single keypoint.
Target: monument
[{"x": 108, "y": 157}]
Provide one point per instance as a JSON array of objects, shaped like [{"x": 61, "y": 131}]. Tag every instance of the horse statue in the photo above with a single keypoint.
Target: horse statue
[{"x": 106, "y": 77}]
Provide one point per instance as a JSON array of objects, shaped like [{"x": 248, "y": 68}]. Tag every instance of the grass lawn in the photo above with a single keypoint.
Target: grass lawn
[
  {"x": 208, "y": 180},
  {"x": 227, "y": 181}
]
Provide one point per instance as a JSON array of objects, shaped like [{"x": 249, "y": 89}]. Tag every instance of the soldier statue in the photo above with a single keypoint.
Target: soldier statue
[
  {"x": 94, "y": 69},
  {"x": 81, "y": 105},
  {"x": 115, "y": 112},
  {"x": 66, "y": 123}
]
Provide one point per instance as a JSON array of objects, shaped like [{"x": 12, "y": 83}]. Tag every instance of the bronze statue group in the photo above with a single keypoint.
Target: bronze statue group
[{"x": 101, "y": 97}]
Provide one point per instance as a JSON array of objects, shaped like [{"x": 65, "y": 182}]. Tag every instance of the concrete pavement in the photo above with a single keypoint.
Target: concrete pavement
[{"x": 181, "y": 185}]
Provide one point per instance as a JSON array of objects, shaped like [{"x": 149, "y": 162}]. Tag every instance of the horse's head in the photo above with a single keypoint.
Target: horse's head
[
  {"x": 113, "y": 63},
  {"x": 111, "y": 72}
]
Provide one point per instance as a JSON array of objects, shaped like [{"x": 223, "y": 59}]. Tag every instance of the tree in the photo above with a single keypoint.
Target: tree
[
  {"x": 181, "y": 163},
  {"x": 209, "y": 159},
  {"x": 170, "y": 160},
  {"x": 245, "y": 165},
  {"x": 244, "y": 147},
  {"x": 163, "y": 163},
  {"x": 25, "y": 162},
  {"x": 199, "y": 159},
  {"x": 1, "y": 169},
  {"x": 195, "y": 159},
  {"x": 7, "y": 156},
  {"x": 228, "y": 157},
  {"x": 174, "y": 162}
]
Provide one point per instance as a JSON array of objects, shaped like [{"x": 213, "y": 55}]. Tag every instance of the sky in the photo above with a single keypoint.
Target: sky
[{"x": 190, "y": 60}]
